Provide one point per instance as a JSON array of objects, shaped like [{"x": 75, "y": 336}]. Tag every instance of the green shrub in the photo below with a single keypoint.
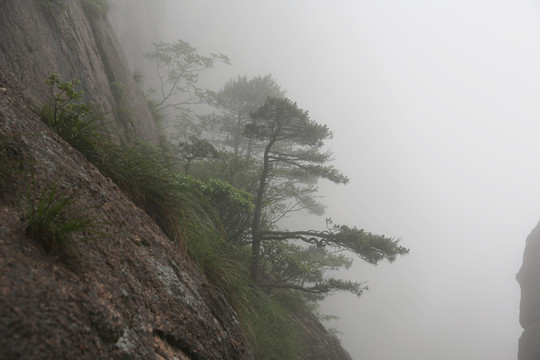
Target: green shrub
[
  {"x": 144, "y": 172},
  {"x": 73, "y": 120},
  {"x": 53, "y": 219}
]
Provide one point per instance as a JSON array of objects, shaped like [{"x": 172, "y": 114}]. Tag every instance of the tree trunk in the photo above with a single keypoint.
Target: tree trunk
[{"x": 257, "y": 215}]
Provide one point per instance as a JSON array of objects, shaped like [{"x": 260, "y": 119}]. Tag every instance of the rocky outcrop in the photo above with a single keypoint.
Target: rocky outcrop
[
  {"x": 128, "y": 294},
  {"x": 37, "y": 39},
  {"x": 529, "y": 314}
]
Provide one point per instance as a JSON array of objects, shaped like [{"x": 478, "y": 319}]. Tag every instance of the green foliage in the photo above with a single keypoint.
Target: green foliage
[
  {"x": 289, "y": 266},
  {"x": 240, "y": 171},
  {"x": 144, "y": 172},
  {"x": 235, "y": 101},
  {"x": 69, "y": 117},
  {"x": 273, "y": 333},
  {"x": 196, "y": 149},
  {"x": 67, "y": 100},
  {"x": 232, "y": 206},
  {"x": 291, "y": 157},
  {"x": 369, "y": 247},
  {"x": 99, "y": 8},
  {"x": 178, "y": 66},
  {"x": 53, "y": 219}
]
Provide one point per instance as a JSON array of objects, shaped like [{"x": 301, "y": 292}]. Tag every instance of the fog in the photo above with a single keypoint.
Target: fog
[{"x": 435, "y": 111}]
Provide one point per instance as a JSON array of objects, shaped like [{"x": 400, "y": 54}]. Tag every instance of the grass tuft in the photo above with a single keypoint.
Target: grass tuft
[{"x": 53, "y": 220}]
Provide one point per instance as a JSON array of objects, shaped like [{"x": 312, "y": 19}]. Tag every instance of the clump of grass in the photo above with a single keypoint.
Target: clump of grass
[
  {"x": 271, "y": 333},
  {"x": 53, "y": 219},
  {"x": 144, "y": 172}
]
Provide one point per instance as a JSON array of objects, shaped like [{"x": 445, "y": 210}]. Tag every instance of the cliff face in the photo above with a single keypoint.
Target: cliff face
[
  {"x": 529, "y": 315},
  {"x": 37, "y": 40},
  {"x": 128, "y": 294}
]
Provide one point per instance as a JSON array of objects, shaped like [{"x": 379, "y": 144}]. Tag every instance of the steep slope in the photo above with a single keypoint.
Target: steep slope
[
  {"x": 137, "y": 26},
  {"x": 319, "y": 343},
  {"x": 37, "y": 40},
  {"x": 129, "y": 294},
  {"x": 529, "y": 315}
]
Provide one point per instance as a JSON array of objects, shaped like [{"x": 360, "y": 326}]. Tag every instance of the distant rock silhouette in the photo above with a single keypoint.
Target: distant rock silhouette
[{"x": 529, "y": 315}]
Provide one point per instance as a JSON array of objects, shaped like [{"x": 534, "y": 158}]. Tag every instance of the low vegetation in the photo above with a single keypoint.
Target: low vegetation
[
  {"x": 54, "y": 220},
  {"x": 68, "y": 116}
]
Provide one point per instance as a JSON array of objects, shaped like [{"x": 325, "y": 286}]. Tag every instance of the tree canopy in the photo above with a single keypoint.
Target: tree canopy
[
  {"x": 234, "y": 102},
  {"x": 178, "y": 66},
  {"x": 291, "y": 162},
  {"x": 261, "y": 158}
]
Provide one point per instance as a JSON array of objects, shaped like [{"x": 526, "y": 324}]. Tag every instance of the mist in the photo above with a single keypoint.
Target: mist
[{"x": 434, "y": 109}]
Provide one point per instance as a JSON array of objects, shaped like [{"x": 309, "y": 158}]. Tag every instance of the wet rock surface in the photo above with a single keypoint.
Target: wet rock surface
[
  {"x": 37, "y": 40},
  {"x": 127, "y": 294}
]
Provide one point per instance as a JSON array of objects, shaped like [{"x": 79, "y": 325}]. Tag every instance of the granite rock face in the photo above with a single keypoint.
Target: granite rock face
[
  {"x": 37, "y": 40},
  {"x": 529, "y": 312},
  {"x": 128, "y": 294}
]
